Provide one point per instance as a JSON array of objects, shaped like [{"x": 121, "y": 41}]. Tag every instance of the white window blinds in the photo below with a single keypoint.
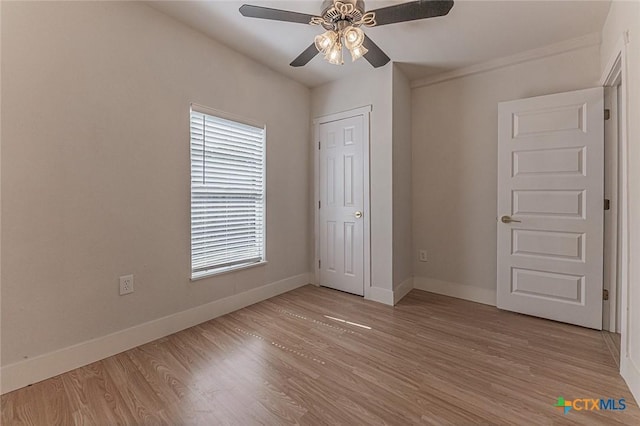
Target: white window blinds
[{"x": 227, "y": 193}]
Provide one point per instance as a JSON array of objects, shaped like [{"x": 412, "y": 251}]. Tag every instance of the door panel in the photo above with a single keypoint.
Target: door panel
[
  {"x": 341, "y": 196},
  {"x": 565, "y": 245},
  {"x": 548, "y": 203},
  {"x": 563, "y": 161},
  {"x": 550, "y": 190}
]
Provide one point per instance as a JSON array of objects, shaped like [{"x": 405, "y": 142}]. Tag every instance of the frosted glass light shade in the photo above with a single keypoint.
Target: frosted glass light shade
[
  {"x": 353, "y": 37},
  {"x": 325, "y": 41},
  {"x": 358, "y": 52},
  {"x": 334, "y": 54}
]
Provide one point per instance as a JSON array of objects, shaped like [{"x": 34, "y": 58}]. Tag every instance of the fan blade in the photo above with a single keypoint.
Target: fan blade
[
  {"x": 375, "y": 55},
  {"x": 304, "y": 58},
  {"x": 412, "y": 11},
  {"x": 274, "y": 14}
]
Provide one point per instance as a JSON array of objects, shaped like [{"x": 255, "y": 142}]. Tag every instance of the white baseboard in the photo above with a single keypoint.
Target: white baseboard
[
  {"x": 402, "y": 290},
  {"x": 461, "y": 291},
  {"x": 23, "y": 373},
  {"x": 380, "y": 295},
  {"x": 631, "y": 374}
]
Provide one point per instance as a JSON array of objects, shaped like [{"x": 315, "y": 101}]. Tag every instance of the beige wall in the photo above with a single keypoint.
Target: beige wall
[
  {"x": 402, "y": 244},
  {"x": 625, "y": 16},
  {"x": 370, "y": 88},
  {"x": 454, "y": 152},
  {"x": 95, "y": 168}
]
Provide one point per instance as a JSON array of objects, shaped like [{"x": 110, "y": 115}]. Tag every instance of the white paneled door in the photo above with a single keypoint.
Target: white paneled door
[
  {"x": 550, "y": 206},
  {"x": 342, "y": 205}
]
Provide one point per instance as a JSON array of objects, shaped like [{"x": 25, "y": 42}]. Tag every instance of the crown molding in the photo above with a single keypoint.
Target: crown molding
[{"x": 526, "y": 56}]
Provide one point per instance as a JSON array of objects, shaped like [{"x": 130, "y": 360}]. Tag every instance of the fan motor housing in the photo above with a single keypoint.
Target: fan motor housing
[{"x": 327, "y": 6}]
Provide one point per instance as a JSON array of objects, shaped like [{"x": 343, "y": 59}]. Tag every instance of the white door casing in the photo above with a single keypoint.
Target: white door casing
[
  {"x": 342, "y": 204},
  {"x": 611, "y": 241},
  {"x": 550, "y": 183}
]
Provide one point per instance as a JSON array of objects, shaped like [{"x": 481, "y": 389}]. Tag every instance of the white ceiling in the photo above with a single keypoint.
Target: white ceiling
[{"x": 473, "y": 32}]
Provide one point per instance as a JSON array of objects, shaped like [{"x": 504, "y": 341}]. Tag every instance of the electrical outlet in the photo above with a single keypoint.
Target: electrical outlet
[
  {"x": 126, "y": 284},
  {"x": 422, "y": 255}
]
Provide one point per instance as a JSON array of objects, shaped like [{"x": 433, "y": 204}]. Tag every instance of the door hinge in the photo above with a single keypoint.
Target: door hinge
[
  {"x": 605, "y": 294},
  {"x": 318, "y": 144},
  {"x": 319, "y": 204},
  {"x": 607, "y": 204},
  {"x": 607, "y": 114},
  {"x": 319, "y": 263}
]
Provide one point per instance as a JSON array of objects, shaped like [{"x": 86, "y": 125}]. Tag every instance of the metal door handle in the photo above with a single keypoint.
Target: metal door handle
[
  {"x": 507, "y": 219},
  {"x": 358, "y": 214}
]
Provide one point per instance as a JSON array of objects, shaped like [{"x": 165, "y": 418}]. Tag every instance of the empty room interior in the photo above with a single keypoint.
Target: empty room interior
[{"x": 320, "y": 212}]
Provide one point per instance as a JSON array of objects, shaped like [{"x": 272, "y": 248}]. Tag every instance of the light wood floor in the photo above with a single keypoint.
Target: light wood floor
[
  {"x": 430, "y": 360},
  {"x": 613, "y": 343}
]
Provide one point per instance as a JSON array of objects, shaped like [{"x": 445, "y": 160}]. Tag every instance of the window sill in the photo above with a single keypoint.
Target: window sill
[{"x": 213, "y": 272}]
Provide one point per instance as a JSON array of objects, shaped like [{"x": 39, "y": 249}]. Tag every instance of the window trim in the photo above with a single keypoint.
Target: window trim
[
  {"x": 224, "y": 270},
  {"x": 227, "y": 116},
  {"x": 200, "y": 275}
]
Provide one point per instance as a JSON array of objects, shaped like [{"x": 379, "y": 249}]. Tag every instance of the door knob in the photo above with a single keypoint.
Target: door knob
[
  {"x": 507, "y": 219},
  {"x": 358, "y": 214}
]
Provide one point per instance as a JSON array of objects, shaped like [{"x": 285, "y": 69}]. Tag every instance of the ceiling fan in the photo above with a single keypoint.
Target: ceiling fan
[{"x": 343, "y": 19}]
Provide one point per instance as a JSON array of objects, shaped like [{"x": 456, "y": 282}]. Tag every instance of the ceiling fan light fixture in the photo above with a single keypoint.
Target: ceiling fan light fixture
[
  {"x": 342, "y": 20},
  {"x": 325, "y": 41}
]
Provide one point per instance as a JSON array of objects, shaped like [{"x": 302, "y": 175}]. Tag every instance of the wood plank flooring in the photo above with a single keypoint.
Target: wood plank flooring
[
  {"x": 294, "y": 360},
  {"x": 613, "y": 343}
]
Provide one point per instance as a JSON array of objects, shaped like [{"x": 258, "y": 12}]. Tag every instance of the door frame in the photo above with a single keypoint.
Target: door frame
[
  {"x": 614, "y": 71},
  {"x": 612, "y": 227},
  {"x": 365, "y": 112}
]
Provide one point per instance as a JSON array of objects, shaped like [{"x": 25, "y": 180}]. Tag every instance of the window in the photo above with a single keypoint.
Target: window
[{"x": 227, "y": 194}]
